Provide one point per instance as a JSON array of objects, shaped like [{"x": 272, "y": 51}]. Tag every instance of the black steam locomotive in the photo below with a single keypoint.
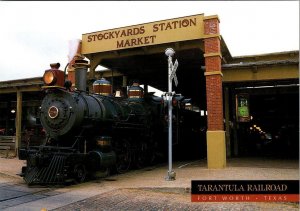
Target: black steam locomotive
[{"x": 92, "y": 132}]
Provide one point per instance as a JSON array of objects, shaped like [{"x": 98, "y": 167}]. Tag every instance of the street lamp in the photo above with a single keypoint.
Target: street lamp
[{"x": 171, "y": 74}]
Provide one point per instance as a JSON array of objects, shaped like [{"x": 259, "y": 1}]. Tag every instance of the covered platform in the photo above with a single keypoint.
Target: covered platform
[{"x": 207, "y": 73}]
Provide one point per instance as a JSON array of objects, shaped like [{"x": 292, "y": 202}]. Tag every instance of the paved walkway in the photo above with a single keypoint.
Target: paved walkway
[{"x": 147, "y": 189}]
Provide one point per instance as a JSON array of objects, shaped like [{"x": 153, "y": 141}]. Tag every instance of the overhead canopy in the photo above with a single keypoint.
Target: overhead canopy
[
  {"x": 149, "y": 65},
  {"x": 138, "y": 52}
]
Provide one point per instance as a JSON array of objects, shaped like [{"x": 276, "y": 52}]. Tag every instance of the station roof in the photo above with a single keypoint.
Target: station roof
[
  {"x": 24, "y": 85},
  {"x": 149, "y": 64}
]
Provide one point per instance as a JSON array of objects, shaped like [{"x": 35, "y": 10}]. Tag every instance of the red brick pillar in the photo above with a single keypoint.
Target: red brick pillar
[{"x": 216, "y": 148}]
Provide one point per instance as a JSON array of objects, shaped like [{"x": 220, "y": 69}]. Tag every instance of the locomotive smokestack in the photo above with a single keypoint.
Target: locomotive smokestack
[
  {"x": 81, "y": 67},
  {"x": 74, "y": 54}
]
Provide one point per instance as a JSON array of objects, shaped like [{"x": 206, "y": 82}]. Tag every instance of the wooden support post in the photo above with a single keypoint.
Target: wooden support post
[
  {"x": 227, "y": 122},
  {"x": 18, "y": 122},
  {"x": 235, "y": 126},
  {"x": 124, "y": 84},
  {"x": 94, "y": 62},
  {"x": 145, "y": 88},
  {"x": 8, "y": 113}
]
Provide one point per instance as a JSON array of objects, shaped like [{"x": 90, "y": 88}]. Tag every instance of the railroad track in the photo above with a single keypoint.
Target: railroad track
[{"x": 13, "y": 194}]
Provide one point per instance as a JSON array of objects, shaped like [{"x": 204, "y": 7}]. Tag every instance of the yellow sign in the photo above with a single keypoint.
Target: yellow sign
[{"x": 172, "y": 30}]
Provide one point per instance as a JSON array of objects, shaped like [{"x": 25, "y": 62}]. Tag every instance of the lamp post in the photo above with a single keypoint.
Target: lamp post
[{"x": 171, "y": 73}]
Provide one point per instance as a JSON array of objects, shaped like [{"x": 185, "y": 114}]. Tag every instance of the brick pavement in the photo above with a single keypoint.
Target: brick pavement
[
  {"x": 146, "y": 189},
  {"x": 131, "y": 194},
  {"x": 164, "y": 199}
]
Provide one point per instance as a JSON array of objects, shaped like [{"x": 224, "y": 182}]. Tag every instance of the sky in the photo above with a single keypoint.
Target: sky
[{"x": 35, "y": 34}]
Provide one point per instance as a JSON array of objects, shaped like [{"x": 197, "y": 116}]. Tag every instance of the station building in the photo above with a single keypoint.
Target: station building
[{"x": 250, "y": 103}]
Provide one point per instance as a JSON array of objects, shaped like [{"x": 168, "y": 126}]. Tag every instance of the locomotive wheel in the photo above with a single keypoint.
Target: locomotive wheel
[
  {"x": 80, "y": 173},
  {"x": 123, "y": 157},
  {"x": 141, "y": 156},
  {"x": 145, "y": 155}
]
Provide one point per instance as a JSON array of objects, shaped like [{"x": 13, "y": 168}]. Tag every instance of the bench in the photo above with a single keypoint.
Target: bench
[
  {"x": 5, "y": 147},
  {"x": 7, "y": 143},
  {"x": 7, "y": 138}
]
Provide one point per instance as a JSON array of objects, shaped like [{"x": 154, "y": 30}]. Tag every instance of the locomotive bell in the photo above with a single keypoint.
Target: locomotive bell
[{"x": 102, "y": 87}]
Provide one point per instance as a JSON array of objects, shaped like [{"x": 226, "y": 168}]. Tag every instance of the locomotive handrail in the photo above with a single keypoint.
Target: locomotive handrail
[
  {"x": 125, "y": 123},
  {"x": 52, "y": 147},
  {"x": 78, "y": 138}
]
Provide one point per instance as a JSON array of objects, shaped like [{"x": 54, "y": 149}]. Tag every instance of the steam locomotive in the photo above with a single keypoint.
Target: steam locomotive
[{"x": 93, "y": 132}]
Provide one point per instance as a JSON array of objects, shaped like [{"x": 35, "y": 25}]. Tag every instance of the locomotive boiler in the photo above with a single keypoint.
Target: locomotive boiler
[{"x": 92, "y": 132}]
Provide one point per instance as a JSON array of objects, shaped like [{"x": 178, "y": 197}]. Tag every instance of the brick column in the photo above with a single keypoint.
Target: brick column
[{"x": 216, "y": 148}]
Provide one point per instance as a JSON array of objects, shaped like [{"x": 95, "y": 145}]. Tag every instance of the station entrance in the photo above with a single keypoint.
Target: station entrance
[{"x": 273, "y": 128}]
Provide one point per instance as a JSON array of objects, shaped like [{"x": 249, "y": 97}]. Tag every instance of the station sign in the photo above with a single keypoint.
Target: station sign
[
  {"x": 166, "y": 31},
  {"x": 242, "y": 107}
]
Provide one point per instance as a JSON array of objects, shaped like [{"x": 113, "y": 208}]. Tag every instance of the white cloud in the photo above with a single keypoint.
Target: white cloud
[{"x": 35, "y": 34}]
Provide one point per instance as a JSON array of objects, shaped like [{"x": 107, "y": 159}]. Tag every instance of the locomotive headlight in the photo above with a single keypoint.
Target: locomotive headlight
[
  {"x": 53, "y": 112},
  {"x": 49, "y": 77}
]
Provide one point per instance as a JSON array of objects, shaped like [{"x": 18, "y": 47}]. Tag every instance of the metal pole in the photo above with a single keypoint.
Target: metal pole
[
  {"x": 171, "y": 174},
  {"x": 170, "y": 115}
]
